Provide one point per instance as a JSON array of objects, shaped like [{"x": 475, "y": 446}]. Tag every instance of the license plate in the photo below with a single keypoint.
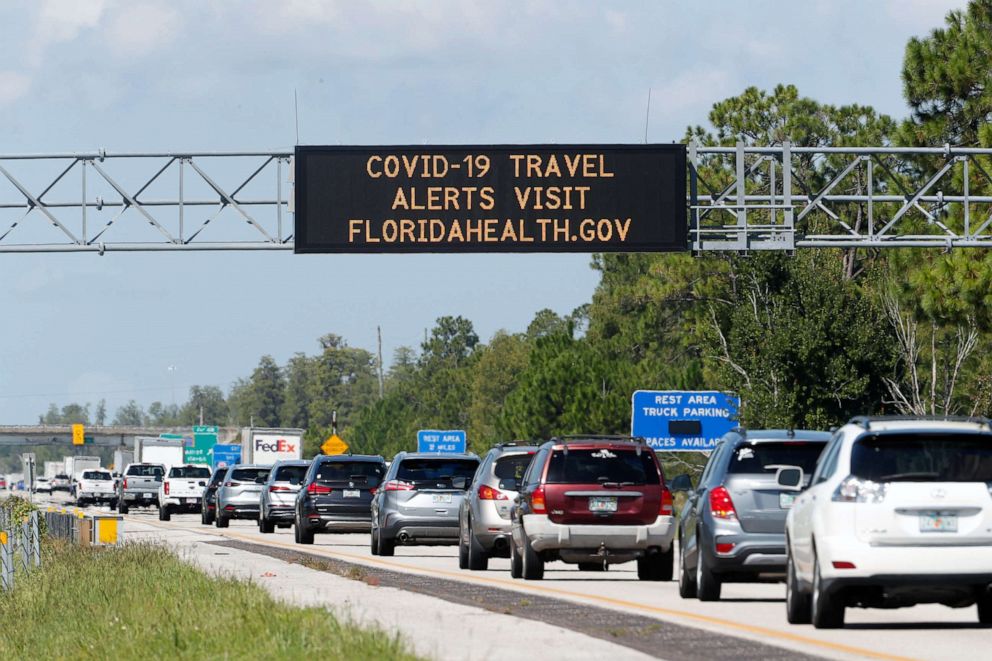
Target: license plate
[
  {"x": 442, "y": 498},
  {"x": 147, "y": 495},
  {"x": 351, "y": 493},
  {"x": 602, "y": 504},
  {"x": 189, "y": 501},
  {"x": 938, "y": 522},
  {"x": 785, "y": 500}
]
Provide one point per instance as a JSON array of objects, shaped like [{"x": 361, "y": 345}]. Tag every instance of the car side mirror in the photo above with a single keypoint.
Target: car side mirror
[
  {"x": 459, "y": 483},
  {"x": 789, "y": 477},
  {"x": 682, "y": 483},
  {"x": 508, "y": 484}
]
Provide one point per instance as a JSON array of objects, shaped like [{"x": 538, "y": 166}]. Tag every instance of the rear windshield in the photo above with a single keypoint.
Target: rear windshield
[
  {"x": 336, "y": 471},
  {"x": 249, "y": 474},
  {"x": 599, "y": 465},
  {"x": 96, "y": 475},
  {"x": 513, "y": 466},
  {"x": 291, "y": 474},
  {"x": 189, "y": 471},
  {"x": 218, "y": 475},
  {"x": 60, "y": 476},
  {"x": 146, "y": 471},
  {"x": 434, "y": 470},
  {"x": 923, "y": 458},
  {"x": 760, "y": 458}
]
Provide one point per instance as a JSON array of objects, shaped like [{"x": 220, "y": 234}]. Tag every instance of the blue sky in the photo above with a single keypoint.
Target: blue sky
[{"x": 79, "y": 75}]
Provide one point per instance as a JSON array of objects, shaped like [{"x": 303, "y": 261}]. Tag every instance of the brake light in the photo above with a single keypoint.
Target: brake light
[
  {"x": 373, "y": 490},
  {"x": 721, "y": 506},
  {"x": 724, "y": 548},
  {"x": 843, "y": 564},
  {"x": 232, "y": 484},
  {"x": 313, "y": 487},
  {"x": 486, "y": 492},
  {"x": 667, "y": 506},
  {"x": 397, "y": 485},
  {"x": 125, "y": 483},
  {"x": 856, "y": 490},
  {"x": 165, "y": 486},
  {"x": 537, "y": 501},
  {"x": 276, "y": 487}
]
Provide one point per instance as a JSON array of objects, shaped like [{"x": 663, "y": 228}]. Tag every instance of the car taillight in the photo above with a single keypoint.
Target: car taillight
[
  {"x": 276, "y": 487},
  {"x": 165, "y": 486},
  {"x": 856, "y": 490},
  {"x": 125, "y": 483},
  {"x": 667, "y": 506},
  {"x": 537, "y": 502},
  {"x": 486, "y": 492},
  {"x": 721, "y": 506},
  {"x": 373, "y": 490},
  {"x": 397, "y": 485},
  {"x": 313, "y": 487},
  {"x": 232, "y": 484},
  {"x": 724, "y": 548}
]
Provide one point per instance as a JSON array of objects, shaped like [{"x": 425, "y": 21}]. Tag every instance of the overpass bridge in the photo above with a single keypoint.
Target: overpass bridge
[{"x": 103, "y": 436}]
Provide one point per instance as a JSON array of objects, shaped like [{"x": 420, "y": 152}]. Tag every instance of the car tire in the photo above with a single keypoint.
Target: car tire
[
  {"x": 462, "y": 553},
  {"x": 708, "y": 586},
  {"x": 478, "y": 559},
  {"x": 164, "y": 514},
  {"x": 205, "y": 517},
  {"x": 374, "y": 542},
  {"x": 985, "y": 608},
  {"x": 222, "y": 521},
  {"x": 798, "y": 604},
  {"x": 304, "y": 535},
  {"x": 655, "y": 566},
  {"x": 265, "y": 526},
  {"x": 533, "y": 564},
  {"x": 516, "y": 564},
  {"x": 592, "y": 566},
  {"x": 827, "y": 612},
  {"x": 122, "y": 507},
  {"x": 387, "y": 547},
  {"x": 687, "y": 580}
]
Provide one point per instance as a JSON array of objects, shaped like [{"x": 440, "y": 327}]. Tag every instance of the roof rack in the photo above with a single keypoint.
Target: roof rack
[
  {"x": 866, "y": 420},
  {"x": 566, "y": 439}
]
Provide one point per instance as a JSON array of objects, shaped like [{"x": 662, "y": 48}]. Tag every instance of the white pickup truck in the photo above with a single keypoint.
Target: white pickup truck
[
  {"x": 96, "y": 486},
  {"x": 182, "y": 490}
]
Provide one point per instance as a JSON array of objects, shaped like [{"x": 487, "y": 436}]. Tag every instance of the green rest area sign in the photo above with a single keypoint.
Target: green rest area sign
[{"x": 197, "y": 446}]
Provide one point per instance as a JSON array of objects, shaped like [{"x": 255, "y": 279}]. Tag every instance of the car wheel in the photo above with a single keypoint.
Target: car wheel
[
  {"x": 797, "y": 603},
  {"x": 985, "y": 608},
  {"x": 592, "y": 566},
  {"x": 478, "y": 559},
  {"x": 305, "y": 535},
  {"x": 387, "y": 547},
  {"x": 222, "y": 521},
  {"x": 533, "y": 565},
  {"x": 687, "y": 581},
  {"x": 265, "y": 526},
  {"x": 708, "y": 586},
  {"x": 827, "y": 612},
  {"x": 462, "y": 552},
  {"x": 374, "y": 545},
  {"x": 122, "y": 507},
  {"x": 164, "y": 514},
  {"x": 516, "y": 564}
]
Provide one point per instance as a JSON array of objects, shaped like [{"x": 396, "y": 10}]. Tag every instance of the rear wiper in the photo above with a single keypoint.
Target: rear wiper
[{"x": 904, "y": 476}]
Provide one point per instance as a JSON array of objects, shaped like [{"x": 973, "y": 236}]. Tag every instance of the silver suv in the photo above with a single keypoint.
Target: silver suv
[
  {"x": 419, "y": 499},
  {"x": 239, "y": 494},
  {"x": 278, "y": 495},
  {"x": 484, "y": 515},
  {"x": 732, "y": 526}
]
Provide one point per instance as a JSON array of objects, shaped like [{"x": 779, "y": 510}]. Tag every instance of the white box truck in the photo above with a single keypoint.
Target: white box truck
[
  {"x": 121, "y": 459},
  {"x": 75, "y": 465},
  {"x": 53, "y": 468},
  {"x": 267, "y": 446},
  {"x": 151, "y": 450}
]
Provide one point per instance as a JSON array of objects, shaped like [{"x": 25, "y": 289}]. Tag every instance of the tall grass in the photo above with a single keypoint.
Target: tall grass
[{"x": 141, "y": 602}]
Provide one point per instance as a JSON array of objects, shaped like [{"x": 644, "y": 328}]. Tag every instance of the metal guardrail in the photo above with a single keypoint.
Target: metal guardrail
[
  {"x": 20, "y": 546},
  {"x": 84, "y": 529}
]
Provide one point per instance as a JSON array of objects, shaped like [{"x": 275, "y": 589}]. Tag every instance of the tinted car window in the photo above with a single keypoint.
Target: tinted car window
[
  {"x": 923, "y": 458},
  {"x": 590, "y": 466},
  {"x": 434, "y": 470},
  {"x": 96, "y": 475},
  {"x": 333, "y": 471},
  {"x": 189, "y": 471},
  {"x": 146, "y": 471},
  {"x": 532, "y": 473},
  {"x": 513, "y": 466},
  {"x": 291, "y": 474},
  {"x": 218, "y": 475},
  {"x": 249, "y": 474},
  {"x": 766, "y": 457}
]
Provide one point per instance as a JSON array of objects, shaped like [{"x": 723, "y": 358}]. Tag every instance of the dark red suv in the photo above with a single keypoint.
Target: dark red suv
[{"x": 593, "y": 501}]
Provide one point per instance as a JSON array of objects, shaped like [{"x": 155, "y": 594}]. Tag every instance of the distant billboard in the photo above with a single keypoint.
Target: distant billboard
[{"x": 495, "y": 198}]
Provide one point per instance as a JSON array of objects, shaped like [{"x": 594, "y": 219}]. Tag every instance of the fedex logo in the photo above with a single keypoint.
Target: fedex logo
[{"x": 281, "y": 445}]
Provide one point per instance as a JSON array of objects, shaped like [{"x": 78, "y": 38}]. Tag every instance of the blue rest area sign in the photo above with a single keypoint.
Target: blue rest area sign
[
  {"x": 225, "y": 455},
  {"x": 682, "y": 421},
  {"x": 451, "y": 441}
]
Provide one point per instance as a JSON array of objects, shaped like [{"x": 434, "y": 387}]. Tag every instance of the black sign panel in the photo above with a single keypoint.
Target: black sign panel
[{"x": 505, "y": 198}]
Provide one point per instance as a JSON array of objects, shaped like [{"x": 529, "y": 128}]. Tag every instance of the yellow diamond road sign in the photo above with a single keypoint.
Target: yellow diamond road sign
[
  {"x": 77, "y": 435},
  {"x": 334, "y": 445}
]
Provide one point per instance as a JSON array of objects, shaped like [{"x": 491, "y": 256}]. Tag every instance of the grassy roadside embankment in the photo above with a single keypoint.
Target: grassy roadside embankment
[{"x": 140, "y": 601}]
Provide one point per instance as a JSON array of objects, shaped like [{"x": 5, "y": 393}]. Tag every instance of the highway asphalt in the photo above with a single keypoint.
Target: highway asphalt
[{"x": 755, "y": 612}]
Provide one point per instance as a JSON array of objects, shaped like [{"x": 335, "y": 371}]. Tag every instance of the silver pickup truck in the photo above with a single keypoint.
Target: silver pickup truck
[{"x": 139, "y": 486}]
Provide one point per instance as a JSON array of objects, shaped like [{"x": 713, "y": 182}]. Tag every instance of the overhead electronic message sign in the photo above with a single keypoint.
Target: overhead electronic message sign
[{"x": 505, "y": 198}]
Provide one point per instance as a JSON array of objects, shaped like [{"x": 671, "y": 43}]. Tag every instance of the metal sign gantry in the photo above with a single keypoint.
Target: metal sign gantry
[{"x": 740, "y": 198}]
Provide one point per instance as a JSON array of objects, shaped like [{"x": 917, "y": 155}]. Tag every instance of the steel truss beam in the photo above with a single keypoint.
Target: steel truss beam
[{"x": 764, "y": 198}]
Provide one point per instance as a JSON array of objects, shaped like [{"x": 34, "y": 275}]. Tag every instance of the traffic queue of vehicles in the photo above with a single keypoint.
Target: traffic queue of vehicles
[{"x": 884, "y": 512}]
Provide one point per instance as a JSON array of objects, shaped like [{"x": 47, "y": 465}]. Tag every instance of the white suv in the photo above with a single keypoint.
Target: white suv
[{"x": 898, "y": 513}]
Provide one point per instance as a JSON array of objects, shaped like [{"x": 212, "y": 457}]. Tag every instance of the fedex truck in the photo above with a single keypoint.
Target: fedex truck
[{"x": 267, "y": 446}]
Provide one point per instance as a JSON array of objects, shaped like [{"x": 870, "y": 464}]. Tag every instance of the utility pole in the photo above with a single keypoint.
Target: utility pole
[
  {"x": 201, "y": 415},
  {"x": 378, "y": 330},
  {"x": 334, "y": 422}
]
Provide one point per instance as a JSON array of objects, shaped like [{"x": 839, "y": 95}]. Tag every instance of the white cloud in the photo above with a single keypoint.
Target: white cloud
[
  {"x": 921, "y": 15},
  {"x": 139, "y": 29},
  {"x": 60, "y": 21},
  {"x": 13, "y": 86}
]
